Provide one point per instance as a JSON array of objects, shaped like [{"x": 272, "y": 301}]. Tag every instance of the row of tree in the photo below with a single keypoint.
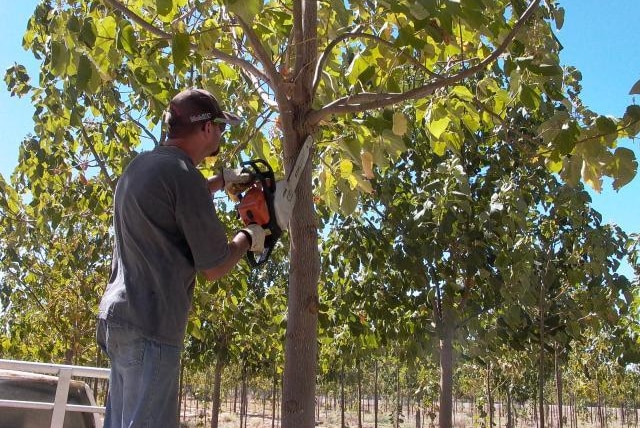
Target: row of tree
[
  {"x": 446, "y": 184},
  {"x": 382, "y": 390}
]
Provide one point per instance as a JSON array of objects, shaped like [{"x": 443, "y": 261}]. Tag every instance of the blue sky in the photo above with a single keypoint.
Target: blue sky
[{"x": 599, "y": 38}]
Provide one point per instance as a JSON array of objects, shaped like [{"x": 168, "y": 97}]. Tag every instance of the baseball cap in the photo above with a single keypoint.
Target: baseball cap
[{"x": 197, "y": 105}]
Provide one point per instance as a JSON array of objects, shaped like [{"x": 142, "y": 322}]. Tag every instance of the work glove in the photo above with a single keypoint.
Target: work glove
[
  {"x": 235, "y": 181},
  {"x": 256, "y": 234}
]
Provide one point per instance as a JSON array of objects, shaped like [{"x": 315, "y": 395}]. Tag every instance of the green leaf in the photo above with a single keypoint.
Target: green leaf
[
  {"x": 605, "y": 125},
  {"x": 164, "y": 7},
  {"x": 558, "y": 16},
  {"x": 358, "y": 65},
  {"x": 547, "y": 70},
  {"x": 624, "y": 167},
  {"x": 108, "y": 28},
  {"x": 59, "y": 58},
  {"x": 438, "y": 126},
  {"x": 592, "y": 177},
  {"x": 635, "y": 89},
  {"x": 346, "y": 167},
  {"x": 180, "y": 50},
  {"x": 418, "y": 11},
  {"x": 348, "y": 202},
  {"x": 245, "y": 9},
  {"x": 529, "y": 97},
  {"x": 85, "y": 70},
  {"x": 73, "y": 24},
  {"x": 463, "y": 93},
  {"x": 126, "y": 39},
  {"x": 88, "y": 33},
  {"x": 396, "y": 144},
  {"x": 631, "y": 121},
  {"x": 366, "y": 76},
  {"x": 565, "y": 141},
  {"x": 399, "y": 124},
  {"x": 439, "y": 147}
]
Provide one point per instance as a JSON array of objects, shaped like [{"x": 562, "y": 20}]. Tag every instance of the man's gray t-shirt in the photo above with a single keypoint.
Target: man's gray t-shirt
[{"x": 166, "y": 229}]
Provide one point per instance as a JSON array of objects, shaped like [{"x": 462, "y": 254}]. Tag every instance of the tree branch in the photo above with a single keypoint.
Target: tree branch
[
  {"x": 239, "y": 62},
  {"x": 103, "y": 167},
  {"x": 261, "y": 54},
  {"x": 249, "y": 76},
  {"x": 189, "y": 13},
  {"x": 298, "y": 34},
  {"x": 261, "y": 92},
  {"x": 138, "y": 19},
  {"x": 144, "y": 129},
  {"x": 344, "y": 105},
  {"x": 309, "y": 43},
  {"x": 359, "y": 34}
]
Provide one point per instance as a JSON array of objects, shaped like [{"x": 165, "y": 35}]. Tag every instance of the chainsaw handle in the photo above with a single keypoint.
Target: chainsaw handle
[
  {"x": 255, "y": 261},
  {"x": 260, "y": 169}
]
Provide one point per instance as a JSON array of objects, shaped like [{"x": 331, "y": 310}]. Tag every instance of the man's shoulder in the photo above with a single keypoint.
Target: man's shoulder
[{"x": 161, "y": 161}]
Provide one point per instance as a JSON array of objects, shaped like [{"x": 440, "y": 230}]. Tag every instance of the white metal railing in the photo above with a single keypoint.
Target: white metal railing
[{"x": 64, "y": 374}]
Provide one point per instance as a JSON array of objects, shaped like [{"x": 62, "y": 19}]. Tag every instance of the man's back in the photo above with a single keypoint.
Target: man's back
[{"x": 165, "y": 229}]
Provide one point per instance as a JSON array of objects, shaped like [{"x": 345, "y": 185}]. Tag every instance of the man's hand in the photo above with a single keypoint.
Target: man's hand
[
  {"x": 256, "y": 234},
  {"x": 215, "y": 183},
  {"x": 236, "y": 180}
]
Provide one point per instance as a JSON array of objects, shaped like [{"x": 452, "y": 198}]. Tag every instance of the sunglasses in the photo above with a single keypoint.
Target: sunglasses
[{"x": 221, "y": 124}]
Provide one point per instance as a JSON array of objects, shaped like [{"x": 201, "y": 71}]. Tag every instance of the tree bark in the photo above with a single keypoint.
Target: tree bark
[
  {"x": 490, "y": 396},
  {"x": 181, "y": 393},
  {"x": 243, "y": 395},
  {"x": 342, "y": 422},
  {"x": 273, "y": 396},
  {"x": 558, "y": 387},
  {"x": 541, "y": 310},
  {"x": 509, "y": 412},
  {"x": 298, "y": 392},
  {"x": 398, "y": 407},
  {"x": 217, "y": 380},
  {"x": 302, "y": 315},
  {"x": 445, "y": 412},
  {"x": 375, "y": 394},
  {"x": 359, "y": 393}
]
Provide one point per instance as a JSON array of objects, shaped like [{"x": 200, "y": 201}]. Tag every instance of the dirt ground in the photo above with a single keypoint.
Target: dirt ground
[{"x": 331, "y": 419}]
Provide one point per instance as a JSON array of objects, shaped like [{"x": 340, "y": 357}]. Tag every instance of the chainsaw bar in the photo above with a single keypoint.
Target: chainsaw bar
[{"x": 285, "y": 195}]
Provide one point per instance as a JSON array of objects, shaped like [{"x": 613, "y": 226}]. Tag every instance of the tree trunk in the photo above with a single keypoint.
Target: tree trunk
[
  {"x": 273, "y": 396},
  {"x": 489, "y": 396},
  {"x": 445, "y": 411},
  {"x": 181, "y": 393},
  {"x": 359, "y": 394},
  {"x": 217, "y": 380},
  {"x": 398, "y": 407},
  {"x": 375, "y": 394},
  {"x": 600, "y": 416},
  {"x": 244, "y": 402},
  {"x": 635, "y": 409},
  {"x": 558, "y": 387},
  {"x": 235, "y": 398},
  {"x": 302, "y": 315},
  {"x": 298, "y": 395},
  {"x": 541, "y": 310},
  {"x": 342, "y": 423},
  {"x": 509, "y": 412}
]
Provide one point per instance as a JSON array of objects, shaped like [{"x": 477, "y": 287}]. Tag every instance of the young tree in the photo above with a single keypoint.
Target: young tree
[{"x": 325, "y": 68}]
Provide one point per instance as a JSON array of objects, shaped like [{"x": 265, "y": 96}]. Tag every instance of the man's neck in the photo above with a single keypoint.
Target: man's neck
[{"x": 183, "y": 145}]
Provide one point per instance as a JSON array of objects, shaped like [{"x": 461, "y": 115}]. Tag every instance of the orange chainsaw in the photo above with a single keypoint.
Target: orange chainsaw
[{"x": 270, "y": 203}]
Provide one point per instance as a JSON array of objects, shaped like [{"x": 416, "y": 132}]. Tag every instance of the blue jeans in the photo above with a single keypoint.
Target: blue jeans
[{"x": 143, "y": 387}]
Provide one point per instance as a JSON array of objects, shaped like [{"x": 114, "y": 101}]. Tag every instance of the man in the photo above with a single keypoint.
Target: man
[{"x": 166, "y": 230}]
